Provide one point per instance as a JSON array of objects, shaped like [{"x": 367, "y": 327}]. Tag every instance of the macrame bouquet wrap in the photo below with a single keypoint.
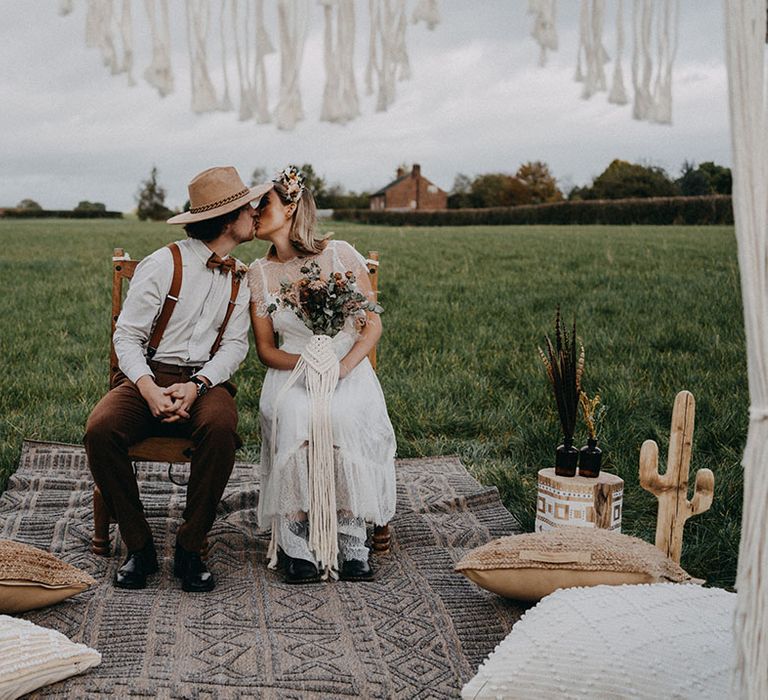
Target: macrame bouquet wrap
[{"x": 319, "y": 367}]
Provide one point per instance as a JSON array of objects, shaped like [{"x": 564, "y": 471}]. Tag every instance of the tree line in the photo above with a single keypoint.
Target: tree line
[{"x": 532, "y": 183}]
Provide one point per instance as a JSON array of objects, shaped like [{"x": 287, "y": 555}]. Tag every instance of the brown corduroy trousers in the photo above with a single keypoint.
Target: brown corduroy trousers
[{"x": 122, "y": 418}]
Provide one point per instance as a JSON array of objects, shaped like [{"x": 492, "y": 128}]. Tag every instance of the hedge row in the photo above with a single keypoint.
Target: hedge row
[
  {"x": 714, "y": 209},
  {"x": 58, "y": 214}
]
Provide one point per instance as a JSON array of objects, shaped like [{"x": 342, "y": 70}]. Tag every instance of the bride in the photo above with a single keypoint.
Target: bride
[{"x": 363, "y": 439}]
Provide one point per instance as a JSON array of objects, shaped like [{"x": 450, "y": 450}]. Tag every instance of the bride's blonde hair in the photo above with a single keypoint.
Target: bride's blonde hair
[{"x": 304, "y": 233}]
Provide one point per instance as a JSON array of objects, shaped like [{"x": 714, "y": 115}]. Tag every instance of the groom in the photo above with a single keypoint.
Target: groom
[{"x": 182, "y": 333}]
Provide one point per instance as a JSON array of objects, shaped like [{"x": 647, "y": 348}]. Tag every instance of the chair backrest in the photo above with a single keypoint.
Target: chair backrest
[
  {"x": 123, "y": 268},
  {"x": 373, "y": 271}
]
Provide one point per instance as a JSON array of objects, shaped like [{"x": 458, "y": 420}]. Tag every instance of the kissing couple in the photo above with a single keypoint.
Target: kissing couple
[{"x": 181, "y": 335}]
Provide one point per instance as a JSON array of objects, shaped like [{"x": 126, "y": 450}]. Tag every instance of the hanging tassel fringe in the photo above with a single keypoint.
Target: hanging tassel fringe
[{"x": 319, "y": 366}]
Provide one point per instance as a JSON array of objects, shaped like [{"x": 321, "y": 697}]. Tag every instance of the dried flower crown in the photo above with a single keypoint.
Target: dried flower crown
[{"x": 292, "y": 179}]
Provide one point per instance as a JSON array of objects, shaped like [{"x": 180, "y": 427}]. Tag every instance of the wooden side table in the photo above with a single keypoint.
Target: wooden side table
[{"x": 579, "y": 501}]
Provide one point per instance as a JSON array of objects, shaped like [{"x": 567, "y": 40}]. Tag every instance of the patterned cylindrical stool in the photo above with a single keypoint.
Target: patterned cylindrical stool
[{"x": 579, "y": 501}]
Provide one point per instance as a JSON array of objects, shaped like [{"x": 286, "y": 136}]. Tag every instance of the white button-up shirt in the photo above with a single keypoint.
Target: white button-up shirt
[{"x": 195, "y": 321}]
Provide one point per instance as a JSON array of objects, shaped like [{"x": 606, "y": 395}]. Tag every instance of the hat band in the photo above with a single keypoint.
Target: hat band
[{"x": 219, "y": 203}]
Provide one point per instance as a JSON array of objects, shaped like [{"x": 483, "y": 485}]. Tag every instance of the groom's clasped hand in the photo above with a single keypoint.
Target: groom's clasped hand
[{"x": 181, "y": 335}]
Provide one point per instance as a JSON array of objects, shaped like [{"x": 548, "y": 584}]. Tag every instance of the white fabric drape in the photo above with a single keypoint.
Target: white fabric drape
[
  {"x": 159, "y": 73},
  {"x": 198, "y": 21},
  {"x": 544, "y": 29},
  {"x": 618, "y": 93},
  {"x": 292, "y": 16},
  {"x": 340, "y": 103},
  {"x": 745, "y": 57},
  {"x": 388, "y": 55}
]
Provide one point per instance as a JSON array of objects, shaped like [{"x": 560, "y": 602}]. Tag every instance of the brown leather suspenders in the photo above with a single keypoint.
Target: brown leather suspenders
[
  {"x": 230, "y": 309},
  {"x": 170, "y": 304}
]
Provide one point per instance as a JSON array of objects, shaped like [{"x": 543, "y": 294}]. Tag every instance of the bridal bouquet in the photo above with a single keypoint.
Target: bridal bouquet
[{"x": 324, "y": 305}]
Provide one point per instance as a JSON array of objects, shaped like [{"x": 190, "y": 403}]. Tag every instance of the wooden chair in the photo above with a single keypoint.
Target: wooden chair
[
  {"x": 173, "y": 450},
  {"x": 154, "y": 449}
]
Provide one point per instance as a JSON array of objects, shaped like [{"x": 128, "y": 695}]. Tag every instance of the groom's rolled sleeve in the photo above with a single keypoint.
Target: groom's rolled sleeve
[
  {"x": 147, "y": 290},
  {"x": 234, "y": 342}
]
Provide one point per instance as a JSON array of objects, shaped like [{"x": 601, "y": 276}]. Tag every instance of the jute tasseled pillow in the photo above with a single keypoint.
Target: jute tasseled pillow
[
  {"x": 32, "y": 656},
  {"x": 31, "y": 578},
  {"x": 533, "y": 565}
]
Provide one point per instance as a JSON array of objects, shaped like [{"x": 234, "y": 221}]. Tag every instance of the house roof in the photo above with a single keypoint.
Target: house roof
[
  {"x": 394, "y": 182},
  {"x": 400, "y": 179}
]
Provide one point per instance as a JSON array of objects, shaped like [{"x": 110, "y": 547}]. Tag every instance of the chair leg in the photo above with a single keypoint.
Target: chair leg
[
  {"x": 100, "y": 540},
  {"x": 381, "y": 539}
]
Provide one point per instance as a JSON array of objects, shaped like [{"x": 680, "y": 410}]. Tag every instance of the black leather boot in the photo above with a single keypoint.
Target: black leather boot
[
  {"x": 355, "y": 570},
  {"x": 300, "y": 571},
  {"x": 138, "y": 565},
  {"x": 191, "y": 569}
]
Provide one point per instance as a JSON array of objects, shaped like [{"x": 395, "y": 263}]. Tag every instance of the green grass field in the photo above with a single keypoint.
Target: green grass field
[{"x": 658, "y": 310}]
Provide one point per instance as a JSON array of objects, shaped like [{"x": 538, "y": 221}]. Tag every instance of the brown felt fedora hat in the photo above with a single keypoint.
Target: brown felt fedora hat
[{"x": 217, "y": 191}]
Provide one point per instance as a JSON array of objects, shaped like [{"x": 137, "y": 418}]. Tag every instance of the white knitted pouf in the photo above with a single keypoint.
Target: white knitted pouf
[
  {"x": 663, "y": 640},
  {"x": 32, "y": 656}
]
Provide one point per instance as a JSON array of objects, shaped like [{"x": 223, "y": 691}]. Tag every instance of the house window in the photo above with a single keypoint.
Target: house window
[
  {"x": 413, "y": 204},
  {"x": 432, "y": 189}
]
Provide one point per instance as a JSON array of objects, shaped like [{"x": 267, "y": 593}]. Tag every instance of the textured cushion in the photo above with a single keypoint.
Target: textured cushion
[
  {"x": 31, "y": 578},
  {"x": 647, "y": 641},
  {"x": 530, "y": 566},
  {"x": 33, "y": 656}
]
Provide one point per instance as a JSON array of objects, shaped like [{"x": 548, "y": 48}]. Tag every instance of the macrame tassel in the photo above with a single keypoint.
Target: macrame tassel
[
  {"x": 319, "y": 366},
  {"x": 428, "y": 11},
  {"x": 642, "y": 65},
  {"x": 595, "y": 54},
  {"x": 292, "y": 17},
  {"x": 583, "y": 39},
  {"x": 159, "y": 73},
  {"x": 99, "y": 32},
  {"x": 387, "y": 52},
  {"x": 203, "y": 93},
  {"x": 340, "y": 103},
  {"x": 667, "y": 48},
  {"x": 225, "y": 103},
  {"x": 260, "y": 96},
  {"x": 322, "y": 375},
  {"x": 126, "y": 34},
  {"x": 243, "y": 62},
  {"x": 544, "y": 28},
  {"x": 618, "y": 94}
]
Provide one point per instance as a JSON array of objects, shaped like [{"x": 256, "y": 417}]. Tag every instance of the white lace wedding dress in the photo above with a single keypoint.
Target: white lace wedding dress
[{"x": 363, "y": 439}]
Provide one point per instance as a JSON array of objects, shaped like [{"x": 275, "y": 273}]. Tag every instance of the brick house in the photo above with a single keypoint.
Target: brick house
[{"x": 409, "y": 191}]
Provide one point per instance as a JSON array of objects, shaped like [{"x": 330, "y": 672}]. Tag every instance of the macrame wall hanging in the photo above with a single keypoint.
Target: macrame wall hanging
[
  {"x": 654, "y": 35},
  {"x": 231, "y": 36}
]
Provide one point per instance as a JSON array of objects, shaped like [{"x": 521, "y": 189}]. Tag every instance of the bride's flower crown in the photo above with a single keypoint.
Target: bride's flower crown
[{"x": 292, "y": 179}]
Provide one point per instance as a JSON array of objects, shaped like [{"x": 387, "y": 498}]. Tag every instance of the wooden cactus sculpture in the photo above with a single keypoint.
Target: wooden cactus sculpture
[{"x": 671, "y": 488}]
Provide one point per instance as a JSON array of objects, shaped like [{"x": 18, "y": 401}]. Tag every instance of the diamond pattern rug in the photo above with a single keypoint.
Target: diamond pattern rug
[{"x": 418, "y": 631}]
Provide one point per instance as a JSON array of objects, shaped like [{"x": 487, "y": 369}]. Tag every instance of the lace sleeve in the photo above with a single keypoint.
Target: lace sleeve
[
  {"x": 350, "y": 259},
  {"x": 256, "y": 286}
]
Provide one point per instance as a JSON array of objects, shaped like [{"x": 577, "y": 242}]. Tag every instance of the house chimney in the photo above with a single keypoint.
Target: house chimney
[
  {"x": 400, "y": 172},
  {"x": 416, "y": 171}
]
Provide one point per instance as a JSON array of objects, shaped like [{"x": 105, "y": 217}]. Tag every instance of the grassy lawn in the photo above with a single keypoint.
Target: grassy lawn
[{"x": 658, "y": 310}]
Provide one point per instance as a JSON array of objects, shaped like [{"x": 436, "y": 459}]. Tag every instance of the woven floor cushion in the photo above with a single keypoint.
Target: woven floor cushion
[
  {"x": 32, "y": 656},
  {"x": 31, "y": 578},
  {"x": 533, "y": 565},
  {"x": 652, "y": 641}
]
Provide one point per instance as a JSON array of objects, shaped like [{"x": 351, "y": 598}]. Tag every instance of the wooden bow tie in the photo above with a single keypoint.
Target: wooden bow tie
[{"x": 225, "y": 266}]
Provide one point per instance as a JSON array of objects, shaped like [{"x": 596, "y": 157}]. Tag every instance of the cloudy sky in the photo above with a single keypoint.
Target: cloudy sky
[{"x": 477, "y": 102}]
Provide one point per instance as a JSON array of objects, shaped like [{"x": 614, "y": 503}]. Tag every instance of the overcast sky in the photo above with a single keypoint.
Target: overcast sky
[{"x": 477, "y": 102}]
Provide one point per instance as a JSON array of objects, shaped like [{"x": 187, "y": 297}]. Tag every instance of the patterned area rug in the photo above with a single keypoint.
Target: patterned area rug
[{"x": 418, "y": 631}]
